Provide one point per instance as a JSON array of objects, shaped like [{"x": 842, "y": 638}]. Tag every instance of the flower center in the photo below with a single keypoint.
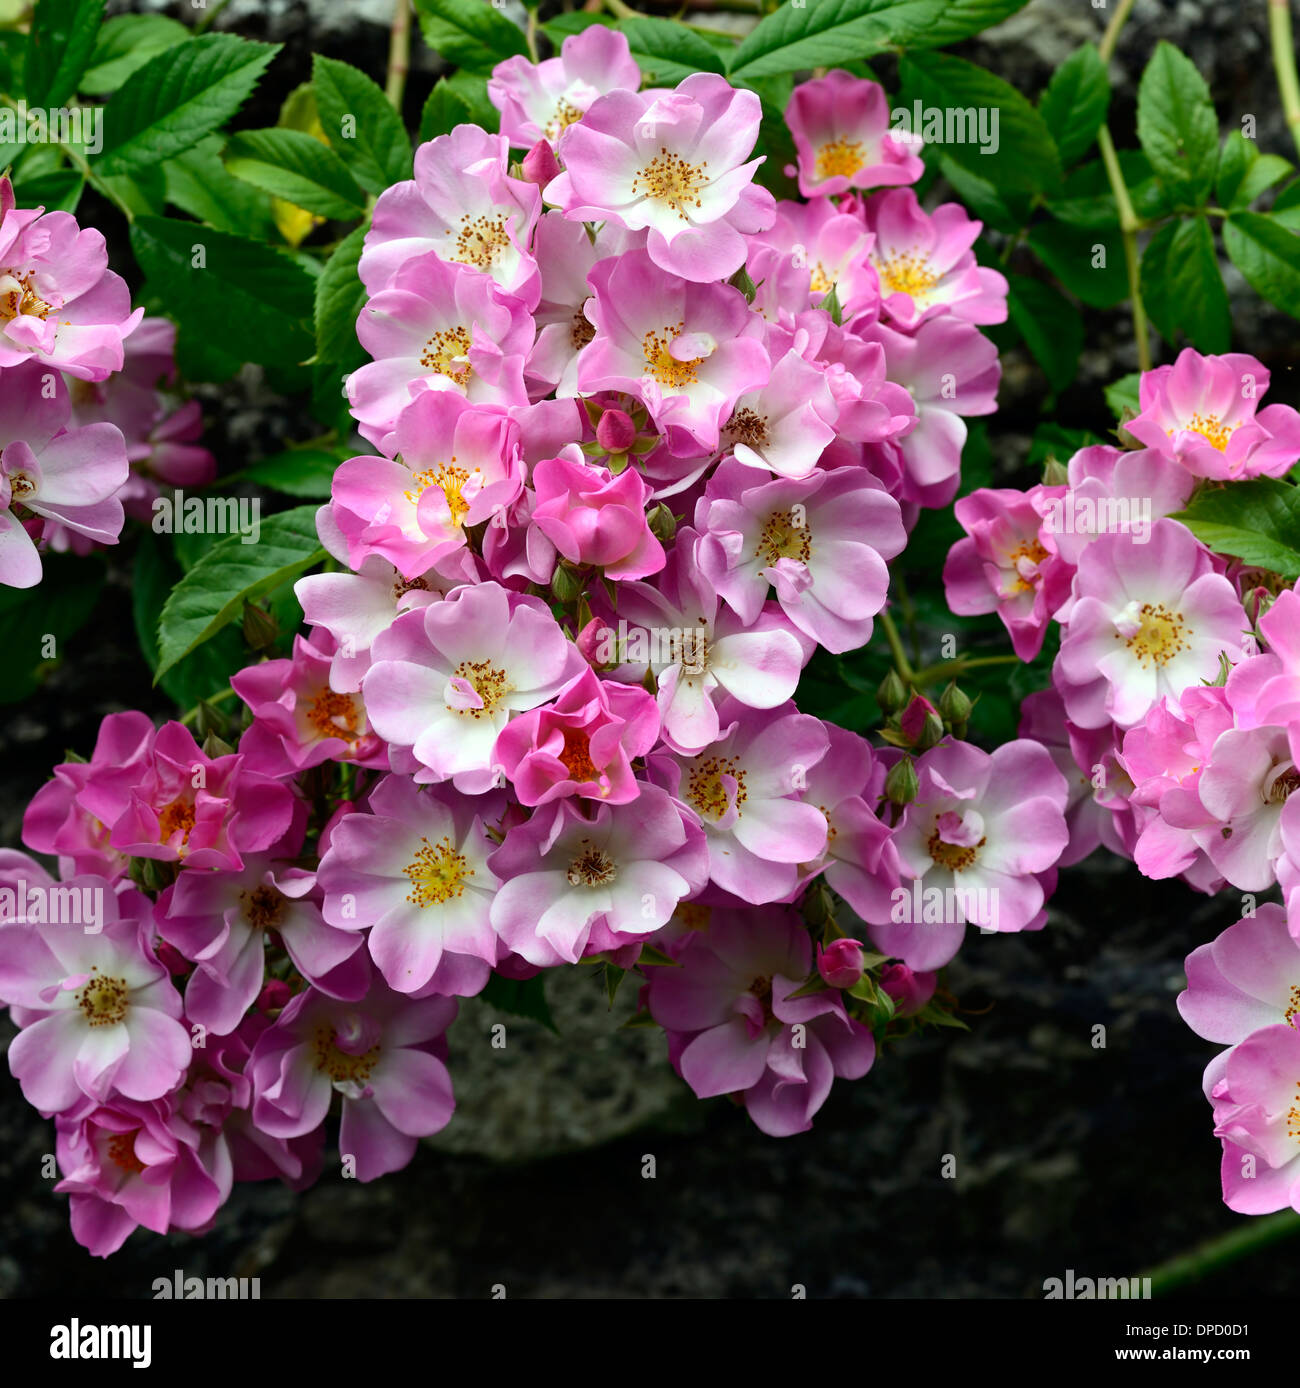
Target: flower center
[
  {"x": 338, "y": 1064},
  {"x": 1027, "y": 554},
  {"x": 593, "y": 867},
  {"x": 21, "y": 299},
  {"x": 821, "y": 281},
  {"x": 481, "y": 239},
  {"x": 748, "y": 427},
  {"x": 178, "y": 817},
  {"x": 781, "y": 538},
  {"x": 449, "y": 479},
  {"x": 446, "y": 352},
  {"x": 437, "y": 873},
  {"x": 581, "y": 331},
  {"x": 662, "y": 365},
  {"x": 402, "y": 586},
  {"x": 20, "y": 486},
  {"x": 954, "y": 856},
  {"x": 689, "y": 649},
  {"x": 670, "y": 179},
  {"x": 263, "y": 907},
  {"x": 691, "y": 915},
  {"x": 1293, "y": 1117},
  {"x": 577, "y": 756},
  {"x": 564, "y": 116},
  {"x": 334, "y": 715},
  {"x": 908, "y": 274},
  {"x": 121, "y": 1151},
  {"x": 488, "y": 682},
  {"x": 1160, "y": 637},
  {"x": 705, "y": 789},
  {"x": 1282, "y": 783},
  {"x": 839, "y": 158},
  {"x": 1294, "y": 1005},
  {"x": 103, "y": 1000},
  {"x": 1211, "y": 429}
]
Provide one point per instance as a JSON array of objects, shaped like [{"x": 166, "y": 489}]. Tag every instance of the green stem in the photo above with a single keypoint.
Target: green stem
[
  {"x": 1279, "y": 33},
  {"x": 206, "y": 19},
  {"x": 1128, "y": 223},
  {"x": 1109, "y": 39},
  {"x": 1209, "y": 1257},
  {"x": 901, "y": 662},
  {"x": 399, "y": 54},
  {"x": 950, "y": 669}
]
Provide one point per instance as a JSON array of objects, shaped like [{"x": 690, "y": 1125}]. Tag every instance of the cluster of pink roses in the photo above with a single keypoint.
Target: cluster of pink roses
[
  {"x": 86, "y": 434},
  {"x": 1174, "y": 711}
]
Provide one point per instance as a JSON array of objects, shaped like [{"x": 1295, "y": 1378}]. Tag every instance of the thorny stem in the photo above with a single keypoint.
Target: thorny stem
[
  {"x": 1209, "y": 1257},
  {"x": 1279, "y": 33},
  {"x": 399, "y": 54}
]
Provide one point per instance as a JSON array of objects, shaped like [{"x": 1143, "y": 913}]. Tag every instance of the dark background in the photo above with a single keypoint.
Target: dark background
[{"x": 1067, "y": 1155}]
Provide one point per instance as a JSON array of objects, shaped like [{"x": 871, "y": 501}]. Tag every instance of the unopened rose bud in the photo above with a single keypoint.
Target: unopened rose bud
[
  {"x": 662, "y": 522},
  {"x": 565, "y": 584},
  {"x": 892, "y": 693},
  {"x": 914, "y": 715},
  {"x": 275, "y": 995},
  {"x": 171, "y": 958},
  {"x": 931, "y": 733},
  {"x": 841, "y": 964},
  {"x": 540, "y": 165},
  {"x": 592, "y": 642},
  {"x": 954, "y": 705},
  {"x": 1055, "y": 474},
  {"x": 260, "y": 628},
  {"x": 910, "y": 991},
  {"x": 615, "y": 432},
  {"x": 901, "y": 783}
]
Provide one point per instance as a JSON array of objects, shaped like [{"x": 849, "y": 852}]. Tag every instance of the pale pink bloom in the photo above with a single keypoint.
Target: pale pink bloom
[
  {"x": 687, "y": 351},
  {"x": 1253, "y": 1090},
  {"x": 541, "y": 101},
  {"x": 926, "y": 264},
  {"x": 820, "y": 542},
  {"x": 831, "y": 247},
  {"x": 1247, "y": 978},
  {"x": 841, "y": 130},
  {"x": 437, "y": 326},
  {"x": 1203, "y": 411},
  {"x": 671, "y": 164},
  {"x": 784, "y": 425},
  {"x": 1147, "y": 621},
  {"x": 463, "y": 206}
]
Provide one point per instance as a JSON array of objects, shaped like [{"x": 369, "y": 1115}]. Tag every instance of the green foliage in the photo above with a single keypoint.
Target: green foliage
[{"x": 1258, "y": 521}]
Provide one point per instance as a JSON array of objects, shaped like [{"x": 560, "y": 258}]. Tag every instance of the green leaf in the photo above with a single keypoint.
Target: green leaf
[
  {"x": 1090, "y": 264},
  {"x": 664, "y": 50},
  {"x": 304, "y": 472},
  {"x": 521, "y": 997},
  {"x": 960, "y": 19},
  {"x": 1244, "y": 173},
  {"x": 1050, "y": 325},
  {"x": 1087, "y": 201},
  {"x": 827, "y": 32},
  {"x": 1177, "y": 127},
  {"x": 471, "y": 87},
  {"x": 198, "y": 183},
  {"x": 295, "y": 166},
  {"x": 251, "y": 301},
  {"x": 339, "y": 299},
  {"x": 56, "y": 192},
  {"x": 1075, "y": 103},
  {"x": 1182, "y": 287},
  {"x": 1268, "y": 256},
  {"x": 59, "y": 46},
  {"x": 1257, "y": 521},
  {"x": 361, "y": 124},
  {"x": 127, "y": 43},
  {"x": 69, "y": 589},
  {"x": 468, "y": 33},
  {"x": 1056, "y": 441},
  {"x": 178, "y": 97},
  {"x": 1002, "y": 208},
  {"x": 1122, "y": 395},
  {"x": 1019, "y": 154},
  {"x": 443, "y": 112},
  {"x": 212, "y": 594}
]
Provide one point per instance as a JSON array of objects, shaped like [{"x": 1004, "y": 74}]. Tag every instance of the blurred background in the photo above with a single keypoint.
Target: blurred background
[{"x": 1067, "y": 1155}]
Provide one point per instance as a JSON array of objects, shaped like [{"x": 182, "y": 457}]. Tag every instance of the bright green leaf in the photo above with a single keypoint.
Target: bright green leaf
[
  {"x": 305, "y": 472},
  {"x": 361, "y": 124},
  {"x": 1182, "y": 287},
  {"x": 1257, "y": 521},
  {"x": 1050, "y": 325},
  {"x": 295, "y": 166},
  {"x": 126, "y": 43},
  {"x": 59, "y": 46},
  {"x": 1090, "y": 264},
  {"x": 1268, "y": 256},
  {"x": 960, "y": 19},
  {"x": 469, "y": 33},
  {"x": 1177, "y": 127},
  {"x": 443, "y": 112},
  {"x": 1075, "y": 103}
]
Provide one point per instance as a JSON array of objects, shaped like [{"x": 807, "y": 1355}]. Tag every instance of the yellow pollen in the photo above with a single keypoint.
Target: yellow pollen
[
  {"x": 781, "y": 538},
  {"x": 821, "y": 282},
  {"x": 956, "y": 856},
  {"x": 441, "y": 352},
  {"x": 103, "y": 1000},
  {"x": 481, "y": 239},
  {"x": 564, "y": 116},
  {"x": 577, "y": 756},
  {"x": 121, "y": 1151},
  {"x": 22, "y": 302},
  {"x": 593, "y": 867},
  {"x": 670, "y": 179},
  {"x": 437, "y": 873},
  {"x": 581, "y": 331},
  {"x": 664, "y": 367},
  {"x": 1293, "y": 1117},
  {"x": 1294, "y": 1005},
  {"x": 334, "y": 715},
  {"x": 20, "y": 486},
  {"x": 339, "y": 1065},
  {"x": 704, "y": 788},
  {"x": 177, "y": 816},
  {"x": 409, "y": 585},
  {"x": 263, "y": 907},
  {"x": 747, "y": 427},
  {"x": 1211, "y": 429},
  {"x": 692, "y": 915},
  {"x": 908, "y": 274},
  {"x": 489, "y": 684},
  {"x": 449, "y": 479},
  {"x": 840, "y": 158},
  {"x": 1161, "y": 637},
  {"x": 1027, "y": 549}
]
